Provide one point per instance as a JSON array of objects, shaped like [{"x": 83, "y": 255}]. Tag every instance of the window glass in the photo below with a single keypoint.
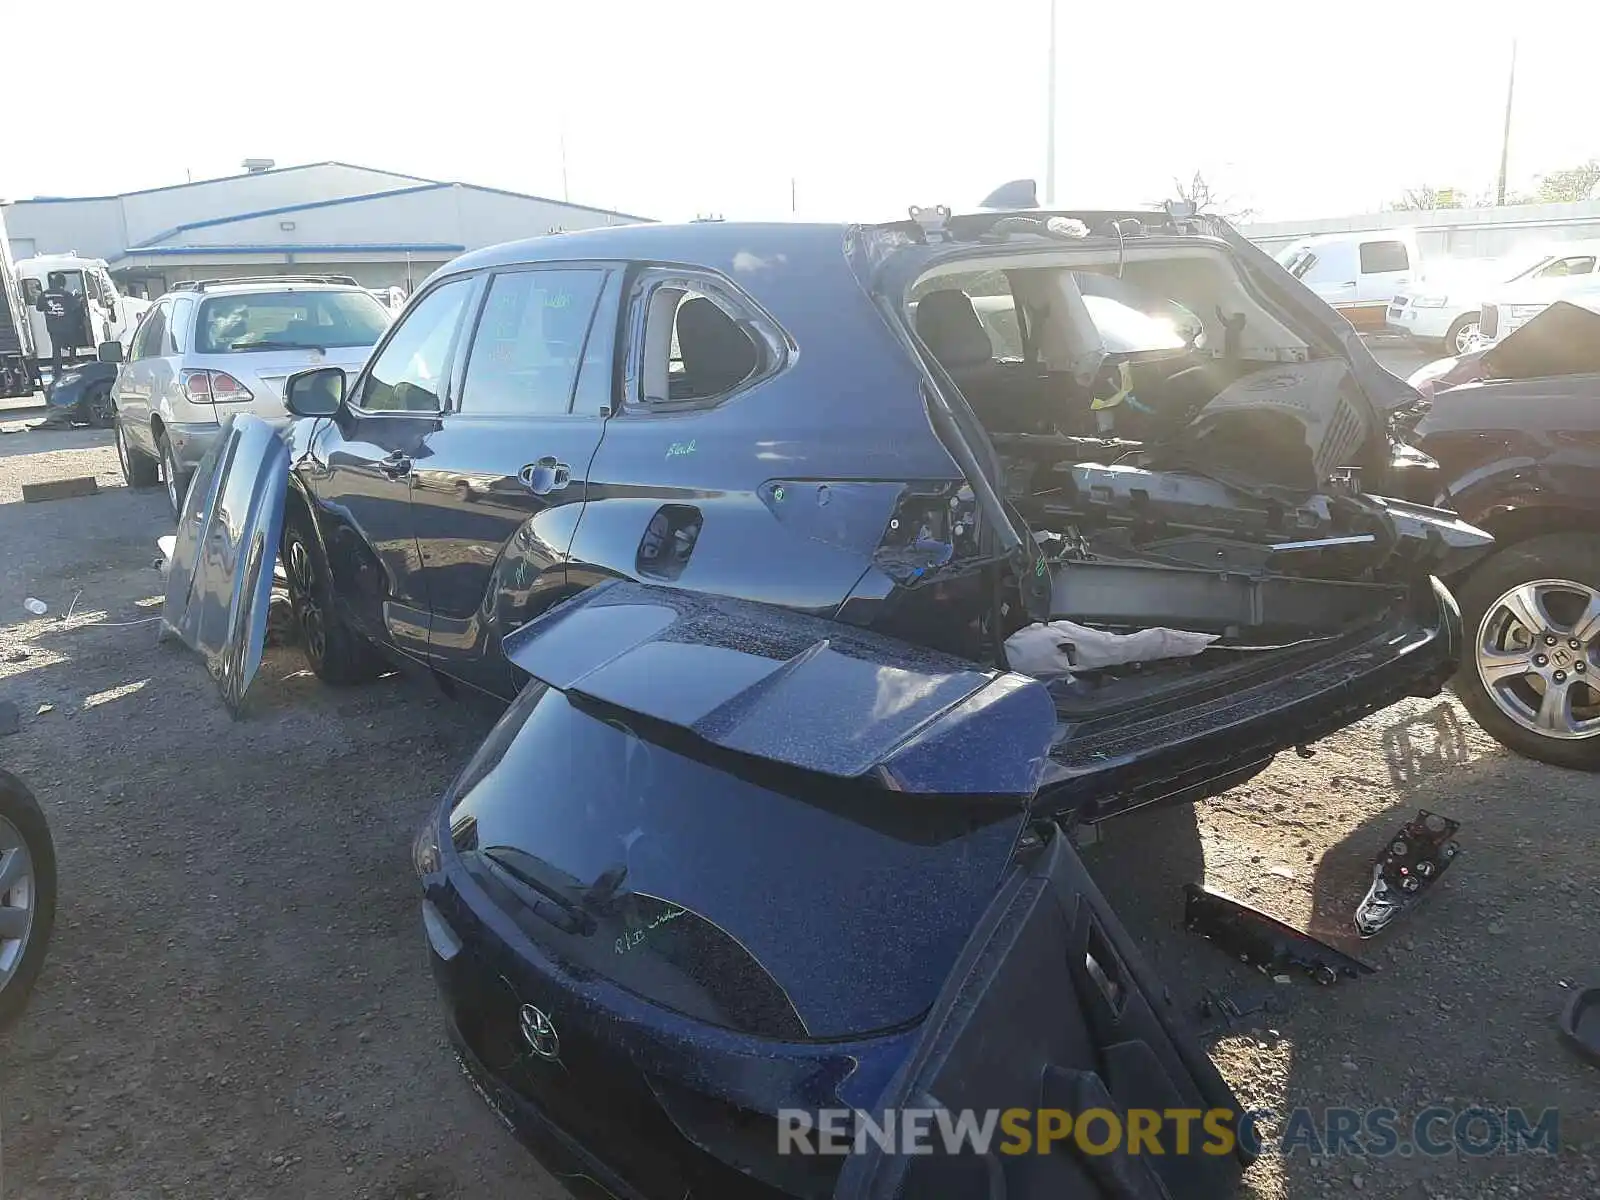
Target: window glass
[
  {"x": 1298, "y": 263},
  {"x": 288, "y": 321},
  {"x": 1562, "y": 267},
  {"x": 408, "y": 374},
  {"x": 694, "y": 349},
  {"x": 1380, "y": 257},
  {"x": 151, "y": 338},
  {"x": 178, "y": 326},
  {"x": 32, "y": 289},
  {"x": 530, "y": 342}
]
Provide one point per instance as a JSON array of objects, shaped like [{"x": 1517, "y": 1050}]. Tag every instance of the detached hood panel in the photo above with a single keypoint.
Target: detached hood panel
[
  {"x": 797, "y": 690},
  {"x": 219, "y": 584}
]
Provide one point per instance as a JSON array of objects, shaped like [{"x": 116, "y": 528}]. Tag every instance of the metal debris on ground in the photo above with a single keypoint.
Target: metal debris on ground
[
  {"x": 37, "y": 607},
  {"x": 1263, "y": 941},
  {"x": 1225, "y": 1011},
  {"x": 1580, "y": 1024},
  {"x": 1405, "y": 869}
]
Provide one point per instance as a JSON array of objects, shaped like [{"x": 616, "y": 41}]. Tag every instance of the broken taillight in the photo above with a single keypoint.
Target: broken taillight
[{"x": 207, "y": 387}]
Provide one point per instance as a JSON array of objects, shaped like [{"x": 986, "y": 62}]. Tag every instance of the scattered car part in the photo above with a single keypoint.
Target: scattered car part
[
  {"x": 1227, "y": 1011},
  {"x": 219, "y": 584},
  {"x": 1580, "y": 1024},
  {"x": 27, "y": 893},
  {"x": 1262, "y": 941},
  {"x": 82, "y": 396},
  {"x": 1406, "y": 868},
  {"x": 60, "y": 489},
  {"x": 1061, "y": 647}
]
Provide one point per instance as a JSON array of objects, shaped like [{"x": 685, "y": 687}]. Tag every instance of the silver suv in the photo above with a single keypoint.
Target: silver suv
[{"x": 222, "y": 346}]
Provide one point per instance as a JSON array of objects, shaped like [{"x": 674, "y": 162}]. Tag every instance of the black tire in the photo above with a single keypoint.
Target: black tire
[
  {"x": 1559, "y": 556},
  {"x": 139, "y": 470},
  {"x": 1451, "y": 338},
  {"x": 99, "y": 407},
  {"x": 177, "y": 481},
  {"x": 335, "y": 653},
  {"x": 21, "y": 811}
]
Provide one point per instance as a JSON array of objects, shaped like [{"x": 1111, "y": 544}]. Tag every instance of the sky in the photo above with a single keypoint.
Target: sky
[{"x": 824, "y": 110}]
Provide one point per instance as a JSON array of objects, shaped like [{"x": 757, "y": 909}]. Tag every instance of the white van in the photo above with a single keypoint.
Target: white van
[{"x": 1357, "y": 273}]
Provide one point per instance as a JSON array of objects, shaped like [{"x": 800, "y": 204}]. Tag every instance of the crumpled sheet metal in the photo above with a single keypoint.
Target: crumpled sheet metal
[{"x": 219, "y": 581}]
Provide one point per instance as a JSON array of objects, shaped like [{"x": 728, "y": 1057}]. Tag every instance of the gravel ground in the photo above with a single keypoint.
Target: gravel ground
[{"x": 237, "y": 1004}]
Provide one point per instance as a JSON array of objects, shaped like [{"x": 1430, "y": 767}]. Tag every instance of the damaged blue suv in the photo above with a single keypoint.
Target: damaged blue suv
[{"x": 743, "y": 522}]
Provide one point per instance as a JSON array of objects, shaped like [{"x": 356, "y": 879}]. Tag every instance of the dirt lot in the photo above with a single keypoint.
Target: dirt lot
[{"x": 237, "y": 1004}]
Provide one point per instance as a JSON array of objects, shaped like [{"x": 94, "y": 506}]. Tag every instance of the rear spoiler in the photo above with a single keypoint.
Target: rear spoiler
[{"x": 794, "y": 689}]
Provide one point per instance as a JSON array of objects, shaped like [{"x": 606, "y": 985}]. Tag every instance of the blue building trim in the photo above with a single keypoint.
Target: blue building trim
[
  {"x": 291, "y": 248},
  {"x": 175, "y": 187},
  {"x": 212, "y": 222}
]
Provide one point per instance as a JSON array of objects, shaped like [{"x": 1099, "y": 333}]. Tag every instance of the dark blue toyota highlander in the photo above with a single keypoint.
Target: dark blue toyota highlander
[{"x": 742, "y": 522}]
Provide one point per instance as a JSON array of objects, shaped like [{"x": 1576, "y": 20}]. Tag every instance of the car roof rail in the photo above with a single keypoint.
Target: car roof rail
[{"x": 201, "y": 285}]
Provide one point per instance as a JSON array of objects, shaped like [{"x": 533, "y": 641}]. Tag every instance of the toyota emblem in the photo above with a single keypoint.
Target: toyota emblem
[{"x": 540, "y": 1032}]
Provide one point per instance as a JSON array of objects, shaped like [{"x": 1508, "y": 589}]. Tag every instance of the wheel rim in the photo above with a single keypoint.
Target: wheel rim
[
  {"x": 169, "y": 468},
  {"x": 18, "y": 900},
  {"x": 1538, "y": 657},
  {"x": 122, "y": 455},
  {"x": 1464, "y": 336},
  {"x": 302, "y": 578},
  {"x": 101, "y": 410}
]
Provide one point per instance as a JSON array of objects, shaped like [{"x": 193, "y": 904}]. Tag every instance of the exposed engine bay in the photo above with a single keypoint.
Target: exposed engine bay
[{"x": 1177, "y": 454}]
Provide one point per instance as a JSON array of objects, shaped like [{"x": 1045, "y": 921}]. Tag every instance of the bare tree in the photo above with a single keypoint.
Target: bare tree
[
  {"x": 1199, "y": 192},
  {"x": 1571, "y": 183},
  {"x": 1425, "y": 199}
]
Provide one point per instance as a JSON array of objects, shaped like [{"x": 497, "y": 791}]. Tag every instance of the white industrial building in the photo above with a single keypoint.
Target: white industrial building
[{"x": 384, "y": 228}]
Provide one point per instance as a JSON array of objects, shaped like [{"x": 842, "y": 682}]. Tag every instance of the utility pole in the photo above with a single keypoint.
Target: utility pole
[
  {"x": 565, "y": 195},
  {"x": 1505, "y": 138},
  {"x": 1050, "y": 118}
]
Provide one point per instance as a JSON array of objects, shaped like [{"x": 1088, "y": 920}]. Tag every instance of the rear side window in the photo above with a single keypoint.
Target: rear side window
[
  {"x": 1378, "y": 258},
  {"x": 178, "y": 331},
  {"x": 530, "y": 342},
  {"x": 288, "y": 321},
  {"x": 698, "y": 344}
]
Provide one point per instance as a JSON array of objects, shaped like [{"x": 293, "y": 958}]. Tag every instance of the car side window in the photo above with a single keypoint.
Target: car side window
[
  {"x": 178, "y": 326},
  {"x": 530, "y": 342},
  {"x": 408, "y": 374},
  {"x": 1379, "y": 258},
  {"x": 151, "y": 338},
  {"x": 1581, "y": 264},
  {"x": 699, "y": 343},
  {"x": 32, "y": 289}
]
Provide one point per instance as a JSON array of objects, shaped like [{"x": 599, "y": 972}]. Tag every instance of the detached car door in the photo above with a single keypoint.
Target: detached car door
[
  {"x": 360, "y": 464},
  {"x": 499, "y": 482}
]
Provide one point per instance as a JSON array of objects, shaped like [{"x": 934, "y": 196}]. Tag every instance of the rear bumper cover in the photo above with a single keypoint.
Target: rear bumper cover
[{"x": 190, "y": 440}]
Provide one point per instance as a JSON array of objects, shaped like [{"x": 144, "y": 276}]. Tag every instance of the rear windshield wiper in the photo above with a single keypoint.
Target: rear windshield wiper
[
  {"x": 526, "y": 870},
  {"x": 273, "y": 346}
]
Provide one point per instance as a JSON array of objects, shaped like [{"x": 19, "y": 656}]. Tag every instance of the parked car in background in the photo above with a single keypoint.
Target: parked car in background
[
  {"x": 1570, "y": 277},
  {"x": 740, "y": 521},
  {"x": 27, "y": 894},
  {"x": 216, "y": 347},
  {"x": 1513, "y": 432},
  {"x": 1358, "y": 274},
  {"x": 1441, "y": 309}
]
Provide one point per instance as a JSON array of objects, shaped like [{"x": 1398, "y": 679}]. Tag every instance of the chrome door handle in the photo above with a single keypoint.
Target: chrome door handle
[
  {"x": 545, "y": 476},
  {"x": 396, "y": 466}
]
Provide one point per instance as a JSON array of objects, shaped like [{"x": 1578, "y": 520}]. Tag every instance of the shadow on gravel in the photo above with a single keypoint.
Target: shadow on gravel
[{"x": 1419, "y": 748}]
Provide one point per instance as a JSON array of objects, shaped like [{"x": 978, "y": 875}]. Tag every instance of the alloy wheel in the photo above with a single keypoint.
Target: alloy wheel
[
  {"x": 122, "y": 457},
  {"x": 18, "y": 900},
  {"x": 302, "y": 578},
  {"x": 1538, "y": 655},
  {"x": 1465, "y": 336},
  {"x": 169, "y": 468}
]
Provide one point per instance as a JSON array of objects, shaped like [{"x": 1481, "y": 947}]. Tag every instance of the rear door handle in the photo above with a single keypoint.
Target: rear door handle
[
  {"x": 545, "y": 476},
  {"x": 396, "y": 466}
]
